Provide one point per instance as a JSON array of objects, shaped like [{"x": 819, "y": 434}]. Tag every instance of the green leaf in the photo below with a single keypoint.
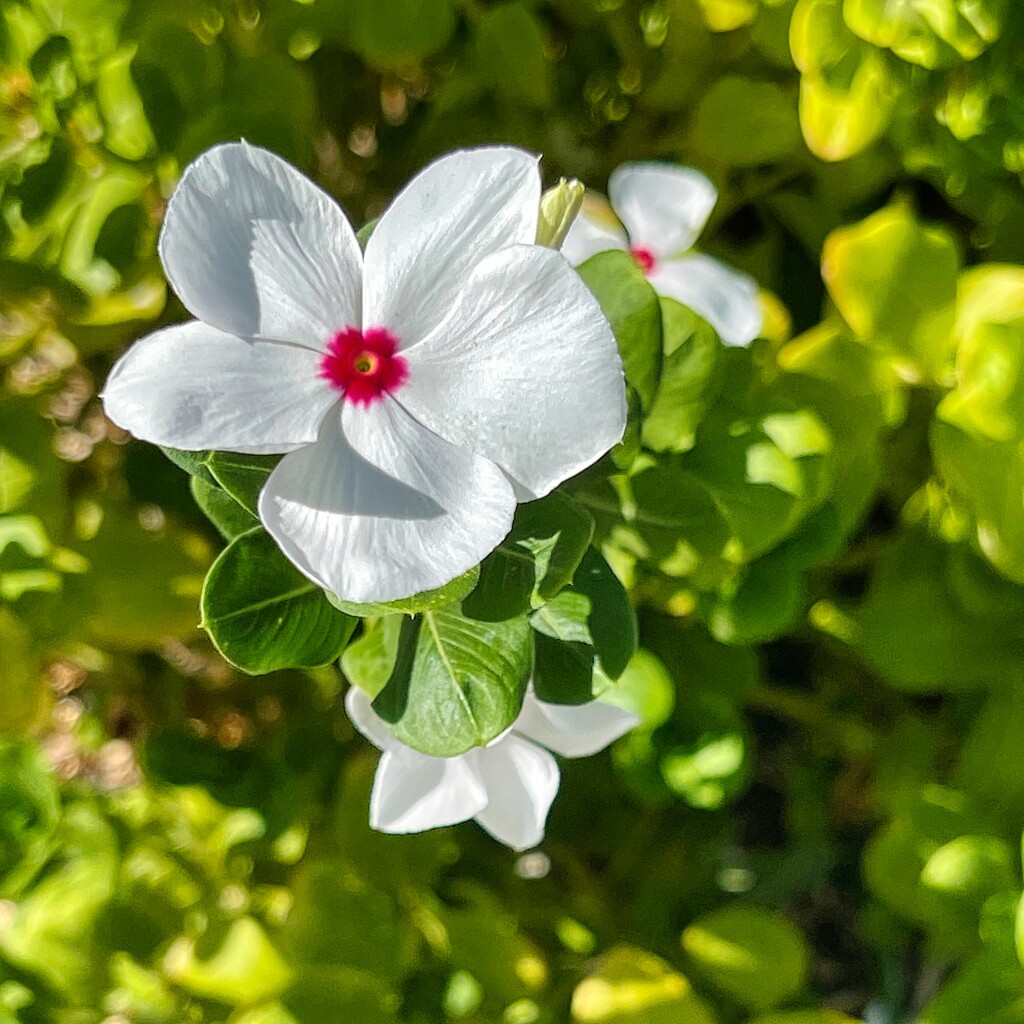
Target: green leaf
[
  {"x": 549, "y": 538},
  {"x": 847, "y": 91},
  {"x": 894, "y": 281},
  {"x": 586, "y": 635},
  {"x": 742, "y": 122},
  {"x": 632, "y": 308},
  {"x": 364, "y": 234},
  {"x": 246, "y": 968},
  {"x": 512, "y": 51},
  {"x": 221, "y": 509},
  {"x": 369, "y": 661},
  {"x": 194, "y": 463},
  {"x": 457, "y": 682},
  {"x": 242, "y": 476},
  {"x": 937, "y": 34},
  {"x": 688, "y": 379},
  {"x": 263, "y": 614},
  {"x": 632, "y": 986},
  {"x": 429, "y": 600},
  {"x": 754, "y": 955},
  {"x": 128, "y": 133},
  {"x": 915, "y": 630}
]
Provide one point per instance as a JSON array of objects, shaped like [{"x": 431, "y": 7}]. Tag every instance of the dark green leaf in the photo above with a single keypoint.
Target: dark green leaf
[
  {"x": 590, "y": 634},
  {"x": 632, "y": 308},
  {"x": 457, "y": 683},
  {"x": 262, "y": 614},
  {"x": 242, "y": 476},
  {"x": 221, "y": 509},
  {"x": 538, "y": 558}
]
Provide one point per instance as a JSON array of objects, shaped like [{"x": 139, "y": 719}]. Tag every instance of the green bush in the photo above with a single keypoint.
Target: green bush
[{"x": 822, "y": 535}]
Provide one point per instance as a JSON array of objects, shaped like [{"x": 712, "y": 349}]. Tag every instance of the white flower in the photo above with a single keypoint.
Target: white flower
[
  {"x": 507, "y": 786},
  {"x": 663, "y": 209},
  {"x": 419, "y": 389}
]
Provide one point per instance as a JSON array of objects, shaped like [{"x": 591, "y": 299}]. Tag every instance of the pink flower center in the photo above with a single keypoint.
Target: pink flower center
[
  {"x": 364, "y": 365},
  {"x": 644, "y": 258}
]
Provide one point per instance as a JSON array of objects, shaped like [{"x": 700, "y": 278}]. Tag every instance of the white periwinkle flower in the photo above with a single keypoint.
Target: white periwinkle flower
[
  {"x": 418, "y": 389},
  {"x": 659, "y": 211},
  {"x": 507, "y": 786}
]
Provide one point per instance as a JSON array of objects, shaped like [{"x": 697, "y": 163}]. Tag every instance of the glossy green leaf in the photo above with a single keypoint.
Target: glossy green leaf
[
  {"x": 221, "y": 509},
  {"x": 369, "y": 661},
  {"x": 263, "y": 614},
  {"x": 586, "y": 635},
  {"x": 688, "y": 378},
  {"x": 242, "y": 476},
  {"x": 457, "y": 682},
  {"x": 894, "y": 281},
  {"x": 538, "y": 558},
  {"x": 632, "y": 308}
]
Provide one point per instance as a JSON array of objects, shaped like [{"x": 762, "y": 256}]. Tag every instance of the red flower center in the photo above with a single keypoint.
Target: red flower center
[
  {"x": 644, "y": 258},
  {"x": 364, "y": 365}
]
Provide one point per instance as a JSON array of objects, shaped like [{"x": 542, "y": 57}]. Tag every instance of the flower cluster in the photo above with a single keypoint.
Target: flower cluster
[{"x": 416, "y": 392}]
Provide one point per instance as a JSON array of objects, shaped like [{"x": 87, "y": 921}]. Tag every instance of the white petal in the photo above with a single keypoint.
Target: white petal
[
  {"x": 726, "y": 298},
  {"x": 521, "y": 782},
  {"x": 461, "y": 208},
  {"x": 525, "y": 371},
  {"x": 360, "y": 711},
  {"x": 380, "y": 508},
  {"x": 191, "y": 386},
  {"x": 255, "y": 248},
  {"x": 663, "y": 206},
  {"x": 573, "y": 730},
  {"x": 413, "y": 792},
  {"x": 594, "y": 230}
]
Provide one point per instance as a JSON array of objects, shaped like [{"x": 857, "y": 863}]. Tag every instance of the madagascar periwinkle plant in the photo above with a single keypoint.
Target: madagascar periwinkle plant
[{"x": 510, "y": 511}]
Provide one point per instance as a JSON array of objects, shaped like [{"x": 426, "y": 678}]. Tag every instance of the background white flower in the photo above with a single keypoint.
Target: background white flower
[
  {"x": 659, "y": 211},
  {"x": 507, "y": 786},
  {"x": 419, "y": 390}
]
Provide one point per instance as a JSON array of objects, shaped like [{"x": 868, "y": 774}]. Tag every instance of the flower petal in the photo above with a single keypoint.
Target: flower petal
[
  {"x": 191, "y": 386},
  {"x": 254, "y": 248},
  {"x": 380, "y": 508},
  {"x": 521, "y": 781},
  {"x": 360, "y": 711},
  {"x": 525, "y": 371},
  {"x": 594, "y": 230},
  {"x": 461, "y": 208},
  {"x": 413, "y": 792},
  {"x": 726, "y": 298},
  {"x": 573, "y": 730},
  {"x": 663, "y": 206}
]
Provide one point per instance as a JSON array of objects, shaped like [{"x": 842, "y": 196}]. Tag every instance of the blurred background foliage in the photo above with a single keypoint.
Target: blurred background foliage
[{"x": 819, "y": 820}]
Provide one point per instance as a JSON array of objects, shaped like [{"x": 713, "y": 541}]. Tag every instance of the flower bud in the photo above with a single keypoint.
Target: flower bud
[{"x": 558, "y": 209}]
